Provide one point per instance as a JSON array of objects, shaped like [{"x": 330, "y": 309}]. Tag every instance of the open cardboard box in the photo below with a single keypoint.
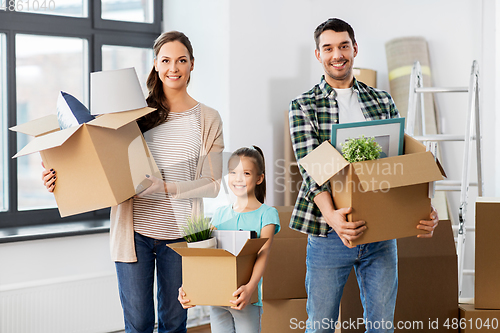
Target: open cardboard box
[
  {"x": 211, "y": 276},
  {"x": 390, "y": 194},
  {"x": 284, "y": 277},
  {"x": 428, "y": 285},
  {"x": 103, "y": 162},
  {"x": 99, "y": 164}
]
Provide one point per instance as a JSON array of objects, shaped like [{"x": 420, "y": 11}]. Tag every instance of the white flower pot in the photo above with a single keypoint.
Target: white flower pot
[{"x": 210, "y": 243}]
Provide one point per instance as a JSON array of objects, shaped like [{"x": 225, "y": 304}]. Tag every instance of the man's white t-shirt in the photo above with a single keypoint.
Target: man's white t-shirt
[{"x": 349, "y": 109}]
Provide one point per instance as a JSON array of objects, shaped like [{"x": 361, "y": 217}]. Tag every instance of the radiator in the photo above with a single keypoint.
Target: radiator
[{"x": 81, "y": 304}]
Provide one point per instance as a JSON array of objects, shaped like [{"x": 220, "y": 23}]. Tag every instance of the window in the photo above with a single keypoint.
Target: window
[
  {"x": 36, "y": 58},
  {"x": 3, "y": 126},
  {"x": 128, "y": 10},
  {"x": 41, "y": 55}
]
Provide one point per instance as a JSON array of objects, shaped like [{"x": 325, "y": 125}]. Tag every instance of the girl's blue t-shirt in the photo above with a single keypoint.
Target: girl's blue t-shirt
[{"x": 225, "y": 218}]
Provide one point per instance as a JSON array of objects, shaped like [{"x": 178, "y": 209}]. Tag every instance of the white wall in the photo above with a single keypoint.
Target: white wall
[{"x": 253, "y": 57}]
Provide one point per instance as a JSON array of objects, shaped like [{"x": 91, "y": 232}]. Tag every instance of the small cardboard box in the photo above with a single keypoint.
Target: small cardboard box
[
  {"x": 211, "y": 276},
  {"x": 284, "y": 316},
  {"x": 487, "y": 263},
  {"x": 99, "y": 164},
  {"x": 476, "y": 320},
  {"x": 428, "y": 285},
  {"x": 285, "y": 273},
  {"x": 390, "y": 194}
]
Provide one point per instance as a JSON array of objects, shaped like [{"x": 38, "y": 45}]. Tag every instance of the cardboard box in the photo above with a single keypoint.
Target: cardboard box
[
  {"x": 367, "y": 76},
  {"x": 211, "y": 276},
  {"x": 99, "y": 164},
  {"x": 390, "y": 194},
  {"x": 476, "y": 320},
  {"x": 284, "y": 316},
  {"x": 487, "y": 262},
  {"x": 285, "y": 273},
  {"x": 428, "y": 284}
]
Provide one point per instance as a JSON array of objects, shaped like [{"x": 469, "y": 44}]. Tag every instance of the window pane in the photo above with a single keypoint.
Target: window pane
[
  {"x": 128, "y": 10},
  {"x": 74, "y": 8},
  {"x": 44, "y": 67},
  {"x": 117, "y": 57},
  {"x": 4, "y": 204}
]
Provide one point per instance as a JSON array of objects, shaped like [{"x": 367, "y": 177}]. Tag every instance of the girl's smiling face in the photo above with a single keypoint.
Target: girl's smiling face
[
  {"x": 243, "y": 176},
  {"x": 174, "y": 65}
]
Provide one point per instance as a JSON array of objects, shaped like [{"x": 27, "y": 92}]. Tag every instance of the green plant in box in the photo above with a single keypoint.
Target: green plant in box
[
  {"x": 198, "y": 228},
  {"x": 361, "y": 149}
]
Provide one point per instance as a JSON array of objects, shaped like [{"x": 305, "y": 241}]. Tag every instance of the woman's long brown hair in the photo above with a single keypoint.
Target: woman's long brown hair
[{"x": 156, "y": 97}]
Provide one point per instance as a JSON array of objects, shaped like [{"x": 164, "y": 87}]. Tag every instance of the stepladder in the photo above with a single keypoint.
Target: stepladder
[{"x": 472, "y": 134}]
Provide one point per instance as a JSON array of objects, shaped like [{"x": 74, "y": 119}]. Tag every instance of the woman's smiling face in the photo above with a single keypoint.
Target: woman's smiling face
[{"x": 174, "y": 65}]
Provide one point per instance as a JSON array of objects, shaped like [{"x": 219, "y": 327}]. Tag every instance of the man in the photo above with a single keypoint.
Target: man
[{"x": 340, "y": 98}]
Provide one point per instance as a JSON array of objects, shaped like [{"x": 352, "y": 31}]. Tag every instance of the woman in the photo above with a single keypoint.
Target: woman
[{"x": 185, "y": 138}]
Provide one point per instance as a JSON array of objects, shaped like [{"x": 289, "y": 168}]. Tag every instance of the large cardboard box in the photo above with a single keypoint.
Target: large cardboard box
[
  {"x": 284, "y": 316},
  {"x": 428, "y": 285},
  {"x": 477, "y": 320},
  {"x": 487, "y": 262},
  {"x": 285, "y": 273},
  {"x": 390, "y": 194},
  {"x": 99, "y": 164},
  {"x": 211, "y": 276}
]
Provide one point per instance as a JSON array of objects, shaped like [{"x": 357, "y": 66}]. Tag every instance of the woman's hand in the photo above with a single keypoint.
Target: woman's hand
[
  {"x": 157, "y": 186},
  {"x": 183, "y": 300},
  {"x": 244, "y": 293},
  {"x": 49, "y": 178}
]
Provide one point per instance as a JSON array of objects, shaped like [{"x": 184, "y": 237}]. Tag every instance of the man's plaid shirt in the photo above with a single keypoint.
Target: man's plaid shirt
[{"x": 311, "y": 117}]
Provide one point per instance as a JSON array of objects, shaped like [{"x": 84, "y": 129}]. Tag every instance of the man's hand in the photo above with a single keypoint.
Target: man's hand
[
  {"x": 347, "y": 231},
  {"x": 429, "y": 225}
]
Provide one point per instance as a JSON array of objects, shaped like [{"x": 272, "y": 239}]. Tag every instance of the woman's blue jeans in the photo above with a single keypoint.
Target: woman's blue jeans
[
  {"x": 135, "y": 282},
  {"x": 329, "y": 263}
]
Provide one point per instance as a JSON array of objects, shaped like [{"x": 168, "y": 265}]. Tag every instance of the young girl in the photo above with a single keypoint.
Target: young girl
[{"x": 247, "y": 181}]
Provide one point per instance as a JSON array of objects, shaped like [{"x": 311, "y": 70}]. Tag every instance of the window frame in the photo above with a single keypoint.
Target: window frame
[{"x": 97, "y": 32}]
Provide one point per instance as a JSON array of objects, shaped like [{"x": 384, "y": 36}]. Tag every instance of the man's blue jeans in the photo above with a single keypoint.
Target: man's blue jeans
[
  {"x": 329, "y": 263},
  {"x": 135, "y": 281}
]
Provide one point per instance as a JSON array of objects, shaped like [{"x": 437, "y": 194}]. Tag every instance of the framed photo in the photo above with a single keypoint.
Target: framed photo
[{"x": 388, "y": 133}]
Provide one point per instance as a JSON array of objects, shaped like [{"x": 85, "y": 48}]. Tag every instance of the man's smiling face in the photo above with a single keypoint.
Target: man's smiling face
[{"x": 336, "y": 53}]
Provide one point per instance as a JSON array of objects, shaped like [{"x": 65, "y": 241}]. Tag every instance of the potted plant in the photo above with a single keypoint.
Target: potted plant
[
  {"x": 361, "y": 149},
  {"x": 198, "y": 233}
]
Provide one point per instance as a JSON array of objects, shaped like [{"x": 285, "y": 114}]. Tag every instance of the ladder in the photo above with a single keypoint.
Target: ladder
[{"x": 415, "y": 106}]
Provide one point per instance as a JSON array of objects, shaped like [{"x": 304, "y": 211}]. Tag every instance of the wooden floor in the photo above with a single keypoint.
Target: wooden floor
[{"x": 199, "y": 329}]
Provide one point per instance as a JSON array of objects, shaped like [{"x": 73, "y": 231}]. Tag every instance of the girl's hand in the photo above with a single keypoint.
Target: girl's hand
[
  {"x": 49, "y": 178},
  {"x": 244, "y": 293},
  {"x": 157, "y": 186},
  {"x": 183, "y": 300}
]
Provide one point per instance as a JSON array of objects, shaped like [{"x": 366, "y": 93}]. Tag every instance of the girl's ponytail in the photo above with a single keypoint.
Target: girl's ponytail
[{"x": 260, "y": 190}]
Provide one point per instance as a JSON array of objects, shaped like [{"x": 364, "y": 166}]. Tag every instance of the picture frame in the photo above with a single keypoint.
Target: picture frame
[{"x": 388, "y": 133}]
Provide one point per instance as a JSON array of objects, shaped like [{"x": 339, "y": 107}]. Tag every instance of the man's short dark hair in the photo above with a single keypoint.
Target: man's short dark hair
[{"x": 336, "y": 25}]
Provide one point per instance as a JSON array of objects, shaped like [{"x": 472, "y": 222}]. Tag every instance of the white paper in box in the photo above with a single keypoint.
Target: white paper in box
[{"x": 232, "y": 240}]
